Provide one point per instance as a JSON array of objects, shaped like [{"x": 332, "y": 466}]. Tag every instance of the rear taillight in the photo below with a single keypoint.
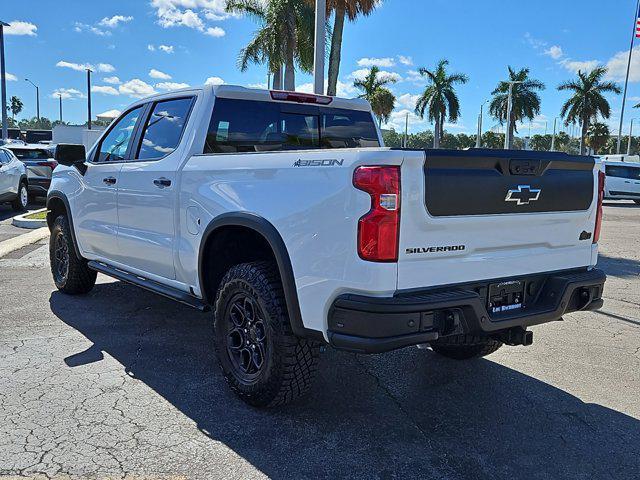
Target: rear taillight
[
  {"x": 52, "y": 164},
  {"x": 379, "y": 229},
  {"x": 596, "y": 231}
]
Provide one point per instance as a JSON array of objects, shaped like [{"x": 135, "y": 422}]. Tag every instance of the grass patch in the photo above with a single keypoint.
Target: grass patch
[{"x": 37, "y": 216}]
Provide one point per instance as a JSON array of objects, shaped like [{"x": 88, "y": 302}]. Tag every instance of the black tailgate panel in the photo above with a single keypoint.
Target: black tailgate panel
[{"x": 488, "y": 182}]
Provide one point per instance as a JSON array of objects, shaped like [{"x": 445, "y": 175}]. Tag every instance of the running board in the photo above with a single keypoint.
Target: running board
[{"x": 155, "y": 287}]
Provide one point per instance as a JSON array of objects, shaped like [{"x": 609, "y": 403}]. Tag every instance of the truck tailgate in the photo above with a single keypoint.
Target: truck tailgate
[{"x": 485, "y": 214}]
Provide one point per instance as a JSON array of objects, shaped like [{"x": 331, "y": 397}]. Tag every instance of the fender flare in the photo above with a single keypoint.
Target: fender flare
[
  {"x": 58, "y": 195},
  {"x": 23, "y": 178},
  {"x": 273, "y": 238}
]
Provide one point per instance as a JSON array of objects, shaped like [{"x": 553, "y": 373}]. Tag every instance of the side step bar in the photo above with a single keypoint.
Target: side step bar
[{"x": 155, "y": 287}]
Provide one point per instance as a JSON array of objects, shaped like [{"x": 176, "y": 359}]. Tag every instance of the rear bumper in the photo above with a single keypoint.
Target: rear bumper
[
  {"x": 39, "y": 186},
  {"x": 373, "y": 324}
]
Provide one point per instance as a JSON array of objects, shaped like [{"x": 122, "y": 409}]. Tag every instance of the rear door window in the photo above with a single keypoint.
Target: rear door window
[
  {"x": 164, "y": 128},
  {"x": 254, "y": 126}
]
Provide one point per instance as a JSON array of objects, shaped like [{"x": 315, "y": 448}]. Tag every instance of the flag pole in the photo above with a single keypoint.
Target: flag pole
[{"x": 626, "y": 80}]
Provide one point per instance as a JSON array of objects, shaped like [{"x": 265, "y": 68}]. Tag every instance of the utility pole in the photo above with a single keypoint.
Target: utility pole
[
  {"x": 629, "y": 144},
  {"x": 60, "y": 98},
  {"x": 626, "y": 80},
  {"x": 508, "y": 141},
  {"x": 479, "y": 135},
  {"x": 3, "y": 82},
  {"x": 37, "y": 98},
  {"x": 319, "y": 50},
  {"x": 553, "y": 137},
  {"x": 88, "y": 98}
]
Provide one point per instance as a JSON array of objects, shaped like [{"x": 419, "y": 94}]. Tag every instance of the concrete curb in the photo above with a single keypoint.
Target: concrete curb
[
  {"x": 20, "y": 241},
  {"x": 22, "y": 222}
]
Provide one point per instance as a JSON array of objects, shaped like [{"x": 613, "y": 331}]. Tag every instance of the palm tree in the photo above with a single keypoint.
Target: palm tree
[
  {"x": 16, "y": 107},
  {"x": 351, "y": 9},
  {"x": 439, "y": 98},
  {"x": 285, "y": 37},
  {"x": 381, "y": 99},
  {"x": 587, "y": 101},
  {"x": 525, "y": 101},
  {"x": 597, "y": 136}
]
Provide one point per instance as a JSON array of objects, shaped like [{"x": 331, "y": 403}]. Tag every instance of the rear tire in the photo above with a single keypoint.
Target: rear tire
[
  {"x": 22, "y": 200},
  {"x": 464, "y": 347},
  {"x": 263, "y": 362},
  {"x": 70, "y": 272}
]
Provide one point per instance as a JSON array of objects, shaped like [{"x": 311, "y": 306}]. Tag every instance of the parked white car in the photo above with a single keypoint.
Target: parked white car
[
  {"x": 285, "y": 214},
  {"x": 13, "y": 180},
  {"x": 622, "y": 181}
]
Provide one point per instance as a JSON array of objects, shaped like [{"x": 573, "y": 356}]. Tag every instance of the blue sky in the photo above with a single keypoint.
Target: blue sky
[{"x": 141, "y": 46}]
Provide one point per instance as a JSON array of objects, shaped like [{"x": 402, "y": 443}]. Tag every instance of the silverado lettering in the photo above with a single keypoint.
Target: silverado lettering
[{"x": 448, "y": 248}]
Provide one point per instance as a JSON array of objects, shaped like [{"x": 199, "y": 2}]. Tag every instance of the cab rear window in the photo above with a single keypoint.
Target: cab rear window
[
  {"x": 623, "y": 171},
  {"x": 253, "y": 126}
]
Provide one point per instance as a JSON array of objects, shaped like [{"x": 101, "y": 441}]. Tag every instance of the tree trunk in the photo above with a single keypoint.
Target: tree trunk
[
  {"x": 585, "y": 127},
  {"x": 436, "y": 133},
  {"x": 512, "y": 129},
  {"x": 334, "y": 56},
  {"x": 277, "y": 78},
  {"x": 290, "y": 73}
]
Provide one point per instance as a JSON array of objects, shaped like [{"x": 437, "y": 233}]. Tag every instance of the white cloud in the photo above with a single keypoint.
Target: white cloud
[
  {"x": 21, "y": 28},
  {"x": 214, "y": 81},
  {"x": 166, "y": 48},
  {"x": 171, "y": 85},
  {"x": 67, "y": 93},
  {"x": 10, "y": 77},
  {"x": 112, "y": 80},
  {"x": 216, "y": 32},
  {"x": 113, "y": 21},
  {"x": 575, "y": 65},
  {"x": 617, "y": 66},
  {"x": 105, "y": 68},
  {"x": 83, "y": 27},
  {"x": 376, "y": 62},
  {"x": 110, "y": 114},
  {"x": 259, "y": 86},
  {"x": 408, "y": 100},
  {"x": 363, "y": 72},
  {"x": 398, "y": 120},
  {"x": 555, "y": 52},
  {"x": 405, "y": 60},
  {"x": 105, "y": 89},
  {"x": 414, "y": 76},
  {"x": 185, "y": 18},
  {"x": 74, "y": 66},
  {"x": 345, "y": 90},
  {"x": 153, "y": 73},
  {"x": 151, "y": 48},
  {"x": 534, "y": 42},
  {"x": 136, "y": 88}
]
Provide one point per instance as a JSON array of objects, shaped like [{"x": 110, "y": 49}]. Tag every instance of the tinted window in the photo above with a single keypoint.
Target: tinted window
[
  {"x": 4, "y": 158},
  {"x": 164, "y": 128},
  {"x": 621, "y": 171},
  {"x": 251, "y": 126},
  {"x": 31, "y": 154},
  {"x": 113, "y": 147}
]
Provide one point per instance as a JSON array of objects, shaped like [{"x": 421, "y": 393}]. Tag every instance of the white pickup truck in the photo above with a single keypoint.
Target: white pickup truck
[{"x": 285, "y": 215}]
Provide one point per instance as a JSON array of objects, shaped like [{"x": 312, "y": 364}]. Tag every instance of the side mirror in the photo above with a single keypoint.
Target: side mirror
[{"x": 71, "y": 155}]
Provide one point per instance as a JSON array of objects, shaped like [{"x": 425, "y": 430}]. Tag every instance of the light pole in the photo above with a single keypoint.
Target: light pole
[
  {"x": 508, "y": 141},
  {"x": 629, "y": 143},
  {"x": 479, "y": 135},
  {"x": 88, "y": 98},
  {"x": 553, "y": 137},
  {"x": 60, "y": 98},
  {"x": 37, "y": 99},
  {"x": 319, "y": 50},
  {"x": 3, "y": 82}
]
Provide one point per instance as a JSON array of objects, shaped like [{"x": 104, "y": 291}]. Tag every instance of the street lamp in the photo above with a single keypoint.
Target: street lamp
[
  {"x": 553, "y": 137},
  {"x": 60, "y": 98},
  {"x": 88, "y": 98},
  {"x": 508, "y": 141},
  {"x": 319, "y": 51},
  {"x": 3, "y": 82},
  {"x": 629, "y": 143},
  {"x": 479, "y": 136},
  {"x": 37, "y": 98}
]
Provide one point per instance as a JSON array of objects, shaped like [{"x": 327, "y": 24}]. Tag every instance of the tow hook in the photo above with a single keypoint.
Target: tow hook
[{"x": 516, "y": 336}]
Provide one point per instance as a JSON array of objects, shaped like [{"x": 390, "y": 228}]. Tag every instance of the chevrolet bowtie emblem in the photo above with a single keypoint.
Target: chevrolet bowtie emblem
[{"x": 523, "y": 195}]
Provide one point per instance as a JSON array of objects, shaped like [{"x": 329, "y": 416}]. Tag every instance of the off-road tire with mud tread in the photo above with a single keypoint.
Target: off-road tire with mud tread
[
  {"x": 291, "y": 362},
  {"x": 80, "y": 279},
  {"x": 464, "y": 347}
]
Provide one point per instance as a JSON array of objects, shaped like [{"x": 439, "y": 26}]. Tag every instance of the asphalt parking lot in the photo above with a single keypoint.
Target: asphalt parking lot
[{"x": 124, "y": 384}]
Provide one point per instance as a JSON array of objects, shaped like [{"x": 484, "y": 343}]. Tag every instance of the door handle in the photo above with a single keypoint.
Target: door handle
[
  {"x": 109, "y": 180},
  {"x": 162, "y": 182}
]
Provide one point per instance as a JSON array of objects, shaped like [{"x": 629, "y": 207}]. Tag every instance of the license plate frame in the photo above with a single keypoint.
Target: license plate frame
[{"x": 505, "y": 297}]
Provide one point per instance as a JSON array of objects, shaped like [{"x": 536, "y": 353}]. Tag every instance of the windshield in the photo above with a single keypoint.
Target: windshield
[
  {"x": 252, "y": 126},
  {"x": 31, "y": 154}
]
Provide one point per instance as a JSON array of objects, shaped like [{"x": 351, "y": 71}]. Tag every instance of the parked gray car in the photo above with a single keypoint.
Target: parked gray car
[
  {"x": 13, "y": 180},
  {"x": 40, "y": 164}
]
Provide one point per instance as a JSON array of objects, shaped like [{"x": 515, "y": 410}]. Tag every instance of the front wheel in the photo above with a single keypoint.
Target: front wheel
[
  {"x": 22, "y": 199},
  {"x": 464, "y": 347},
  {"x": 263, "y": 362},
  {"x": 71, "y": 273}
]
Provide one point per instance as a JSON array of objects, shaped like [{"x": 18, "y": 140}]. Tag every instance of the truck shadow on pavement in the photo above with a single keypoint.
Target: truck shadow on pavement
[
  {"x": 405, "y": 414},
  {"x": 619, "y": 267}
]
